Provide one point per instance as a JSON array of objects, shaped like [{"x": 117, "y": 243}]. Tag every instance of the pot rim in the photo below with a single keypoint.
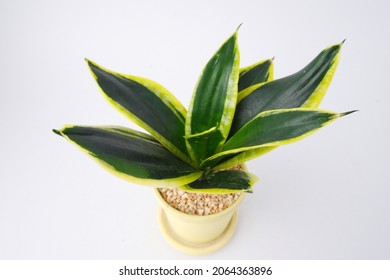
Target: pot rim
[{"x": 168, "y": 207}]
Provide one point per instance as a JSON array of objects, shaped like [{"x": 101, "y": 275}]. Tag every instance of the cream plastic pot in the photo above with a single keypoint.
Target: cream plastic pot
[{"x": 194, "y": 234}]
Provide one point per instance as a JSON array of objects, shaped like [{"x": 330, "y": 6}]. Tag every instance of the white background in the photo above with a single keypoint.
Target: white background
[{"x": 325, "y": 197}]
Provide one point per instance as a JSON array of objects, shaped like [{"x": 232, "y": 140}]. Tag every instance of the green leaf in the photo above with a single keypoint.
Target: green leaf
[
  {"x": 273, "y": 128},
  {"x": 131, "y": 155},
  {"x": 305, "y": 88},
  {"x": 228, "y": 160},
  {"x": 255, "y": 74},
  {"x": 213, "y": 103},
  {"x": 224, "y": 181},
  {"x": 148, "y": 104}
]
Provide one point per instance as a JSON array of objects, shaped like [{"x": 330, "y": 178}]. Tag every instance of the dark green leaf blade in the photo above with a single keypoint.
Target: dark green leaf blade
[
  {"x": 241, "y": 157},
  {"x": 227, "y": 159},
  {"x": 260, "y": 72},
  {"x": 279, "y": 125},
  {"x": 271, "y": 129},
  {"x": 223, "y": 181},
  {"x": 305, "y": 88},
  {"x": 213, "y": 103},
  {"x": 131, "y": 155},
  {"x": 148, "y": 104}
]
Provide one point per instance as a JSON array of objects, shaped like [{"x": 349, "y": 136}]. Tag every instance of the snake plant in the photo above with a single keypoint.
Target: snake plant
[{"x": 235, "y": 114}]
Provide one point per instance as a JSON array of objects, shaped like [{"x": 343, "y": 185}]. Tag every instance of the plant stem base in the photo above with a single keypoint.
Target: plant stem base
[{"x": 196, "y": 248}]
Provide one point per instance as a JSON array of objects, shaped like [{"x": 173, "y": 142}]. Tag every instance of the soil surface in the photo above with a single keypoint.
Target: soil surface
[{"x": 201, "y": 204}]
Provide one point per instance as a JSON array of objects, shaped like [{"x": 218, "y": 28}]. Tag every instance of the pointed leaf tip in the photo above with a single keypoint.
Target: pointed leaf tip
[
  {"x": 90, "y": 65},
  {"x": 58, "y": 132},
  {"x": 89, "y": 62},
  {"x": 93, "y": 64},
  {"x": 347, "y": 113},
  {"x": 239, "y": 26},
  {"x": 342, "y": 42}
]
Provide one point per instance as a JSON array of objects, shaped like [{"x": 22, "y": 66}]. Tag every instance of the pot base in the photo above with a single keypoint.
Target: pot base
[{"x": 195, "y": 248}]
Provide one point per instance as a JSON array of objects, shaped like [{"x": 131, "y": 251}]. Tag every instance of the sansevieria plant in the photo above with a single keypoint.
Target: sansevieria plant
[{"x": 235, "y": 114}]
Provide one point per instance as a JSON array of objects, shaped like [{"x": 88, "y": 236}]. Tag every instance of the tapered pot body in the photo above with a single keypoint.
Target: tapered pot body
[{"x": 196, "y": 234}]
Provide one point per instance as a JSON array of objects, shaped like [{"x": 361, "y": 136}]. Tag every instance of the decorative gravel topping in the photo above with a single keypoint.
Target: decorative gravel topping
[{"x": 201, "y": 204}]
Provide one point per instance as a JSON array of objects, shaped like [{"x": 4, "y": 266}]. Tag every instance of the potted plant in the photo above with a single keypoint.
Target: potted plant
[{"x": 235, "y": 114}]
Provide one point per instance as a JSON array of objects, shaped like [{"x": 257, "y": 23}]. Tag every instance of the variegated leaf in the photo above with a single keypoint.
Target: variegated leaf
[
  {"x": 273, "y": 128},
  {"x": 131, "y": 155},
  {"x": 305, "y": 88},
  {"x": 213, "y": 102},
  {"x": 148, "y": 104}
]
